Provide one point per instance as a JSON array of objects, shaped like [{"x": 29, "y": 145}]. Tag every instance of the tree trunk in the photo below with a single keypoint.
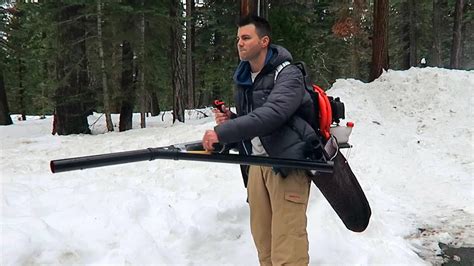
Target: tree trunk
[
  {"x": 412, "y": 20},
  {"x": 358, "y": 6},
  {"x": 467, "y": 32},
  {"x": 436, "y": 52},
  {"x": 115, "y": 70},
  {"x": 108, "y": 118},
  {"x": 176, "y": 67},
  {"x": 189, "y": 53},
  {"x": 380, "y": 39},
  {"x": 5, "y": 118},
  {"x": 127, "y": 88},
  {"x": 456, "y": 47},
  {"x": 408, "y": 34},
  {"x": 141, "y": 78},
  {"x": 21, "y": 89},
  {"x": 71, "y": 118},
  {"x": 18, "y": 22},
  {"x": 45, "y": 76},
  {"x": 155, "y": 104},
  {"x": 255, "y": 8}
]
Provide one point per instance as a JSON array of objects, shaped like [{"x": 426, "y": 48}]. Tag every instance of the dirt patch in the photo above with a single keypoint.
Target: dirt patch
[
  {"x": 449, "y": 241},
  {"x": 457, "y": 256}
]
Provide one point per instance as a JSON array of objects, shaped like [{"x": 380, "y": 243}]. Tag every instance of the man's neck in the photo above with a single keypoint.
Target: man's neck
[{"x": 259, "y": 62}]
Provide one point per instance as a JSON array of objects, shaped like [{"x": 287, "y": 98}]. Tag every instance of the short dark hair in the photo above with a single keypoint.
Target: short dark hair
[{"x": 261, "y": 25}]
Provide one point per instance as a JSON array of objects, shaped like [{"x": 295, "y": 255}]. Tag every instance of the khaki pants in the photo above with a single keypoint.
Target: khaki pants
[{"x": 278, "y": 216}]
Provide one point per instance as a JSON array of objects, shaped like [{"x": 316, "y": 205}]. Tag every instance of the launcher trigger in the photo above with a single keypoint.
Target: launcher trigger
[{"x": 219, "y": 105}]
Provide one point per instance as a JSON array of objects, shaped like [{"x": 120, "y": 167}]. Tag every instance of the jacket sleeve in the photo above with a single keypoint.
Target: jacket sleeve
[{"x": 282, "y": 102}]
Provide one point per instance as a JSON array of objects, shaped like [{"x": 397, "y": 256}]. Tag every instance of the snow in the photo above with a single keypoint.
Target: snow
[{"x": 413, "y": 155}]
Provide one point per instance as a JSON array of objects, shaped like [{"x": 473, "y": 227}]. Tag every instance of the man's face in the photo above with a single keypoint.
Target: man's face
[{"x": 249, "y": 44}]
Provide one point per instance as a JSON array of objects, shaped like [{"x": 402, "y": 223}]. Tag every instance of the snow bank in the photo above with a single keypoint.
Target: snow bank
[{"x": 413, "y": 155}]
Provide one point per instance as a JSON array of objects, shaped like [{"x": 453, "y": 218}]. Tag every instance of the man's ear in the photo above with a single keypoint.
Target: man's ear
[{"x": 265, "y": 41}]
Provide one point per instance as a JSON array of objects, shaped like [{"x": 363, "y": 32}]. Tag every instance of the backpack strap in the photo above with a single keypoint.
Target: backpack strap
[
  {"x": 279, "y": 68},
  {"x": 318, "y": 96}
]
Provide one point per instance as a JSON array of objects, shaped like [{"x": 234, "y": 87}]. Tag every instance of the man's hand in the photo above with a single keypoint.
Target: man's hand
[
  {"x": 210, "y": 137},
  {"x": 221, "y": 117}
]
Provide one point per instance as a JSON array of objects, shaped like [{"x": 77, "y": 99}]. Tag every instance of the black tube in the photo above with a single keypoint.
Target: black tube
[{"x": 77, "y": 163}]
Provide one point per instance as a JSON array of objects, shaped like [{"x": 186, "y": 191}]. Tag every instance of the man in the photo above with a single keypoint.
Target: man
[{"x": 269, "y": 122}]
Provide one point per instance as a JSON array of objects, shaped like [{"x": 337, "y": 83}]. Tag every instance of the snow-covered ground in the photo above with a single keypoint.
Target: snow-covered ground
[{"x": 413, "y": 154}]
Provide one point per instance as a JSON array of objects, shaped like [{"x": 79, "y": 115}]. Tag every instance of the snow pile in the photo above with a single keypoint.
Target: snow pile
[{"x": 413, "y": 155}]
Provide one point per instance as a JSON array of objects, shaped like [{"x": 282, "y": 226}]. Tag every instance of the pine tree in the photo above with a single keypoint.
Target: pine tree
[
  {"x": 71, "y": 93},
  {"x": 436, "y": 51},
  {"x": 5, "y": 118},
  {"x": 456, "y": 47},
  {"x": 190, "y": 46},
  {"x": 215, "y": 51},
  {"x": 18, "y": 37},
  {"x": 467, "y": 61},
  {"x": 127, "y": 88},
  {"x": 105, "y": 87},
  {"x": 141, "y": 65},
  {"x": 380, "y": 39},
  {"x": 176, "y": 65}
]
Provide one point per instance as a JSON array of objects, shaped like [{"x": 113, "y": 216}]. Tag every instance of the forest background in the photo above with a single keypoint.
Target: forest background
[{"x": 71, "y": 58}]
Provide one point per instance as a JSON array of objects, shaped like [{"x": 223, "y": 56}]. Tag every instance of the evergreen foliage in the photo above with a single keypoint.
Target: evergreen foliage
[
  {"x": 216, "y": 54},
  {"x": 332, "y": 37}
]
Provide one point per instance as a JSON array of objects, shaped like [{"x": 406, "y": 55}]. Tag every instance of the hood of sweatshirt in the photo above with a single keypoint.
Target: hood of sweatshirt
[{"x": 275, "y": 56}]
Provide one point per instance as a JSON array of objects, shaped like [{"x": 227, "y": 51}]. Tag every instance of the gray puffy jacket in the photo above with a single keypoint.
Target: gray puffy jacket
[{"x": 274, "y": 110}]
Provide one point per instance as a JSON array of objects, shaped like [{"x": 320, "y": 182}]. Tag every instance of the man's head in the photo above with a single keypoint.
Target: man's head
[{"x": 253, "y": 37}]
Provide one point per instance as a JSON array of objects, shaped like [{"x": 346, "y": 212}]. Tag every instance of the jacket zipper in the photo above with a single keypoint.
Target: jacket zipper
[{"x": 249, "y": 108}]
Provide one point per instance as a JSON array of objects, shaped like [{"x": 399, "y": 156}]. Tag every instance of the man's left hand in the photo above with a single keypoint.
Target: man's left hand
[{"x": 210, "y": 137}]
